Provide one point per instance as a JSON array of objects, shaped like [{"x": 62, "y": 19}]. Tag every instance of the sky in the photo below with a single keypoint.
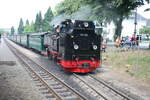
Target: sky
[
  {"x": 141, "y": 9},
  {"x": 12, "y": 10}
]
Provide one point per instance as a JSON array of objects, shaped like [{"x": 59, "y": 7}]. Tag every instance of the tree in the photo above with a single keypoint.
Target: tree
[
  {"x": 27, "y": 22},
  {"x": 21, "y": 27},
  {"x": 103, "y": 10},
  {"x": 116, "y": 11},
  {"x": 68, "y": 6},
  {"x": 47, "y": 19},
  {"x": 145, "y": 30},
  {"x": 29, "y": 28},
  {"x": 12, "y": 30},
  {"x": 32, "y": 27},
  {"x": 38, "y": 23}
]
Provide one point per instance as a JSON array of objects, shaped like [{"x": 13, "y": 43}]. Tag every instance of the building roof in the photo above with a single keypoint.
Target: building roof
[{"x": 139, "y": 17}]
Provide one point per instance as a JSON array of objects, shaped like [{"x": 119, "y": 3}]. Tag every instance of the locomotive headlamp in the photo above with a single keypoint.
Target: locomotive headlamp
[
  {"x": 95, "y": 47},
  {"x": 73, "y": 21},
  {"x": 76, "y": 46},
  {"x": 86, "y": 24},
  {"x": 72, "y": 36}
]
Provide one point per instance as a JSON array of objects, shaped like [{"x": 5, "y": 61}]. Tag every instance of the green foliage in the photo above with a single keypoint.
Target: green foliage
[
  {"x": 114, "y": 10},
  {"x": 12, "y": 30},
  {"x": 27, "y": 22},
  {"x": 47, "y": 19},
  {"x": 103, "y": 10},
  {"x": 29, "y": 28},
  {"x": 38, "y": 23},
  {"x": 21, "y": 27},
  {"x": 32, "y": 27},
  {"x": 135, "y": 63},
  {"x": 145, "y": 30},
  {"x": 68, "y": 6}
]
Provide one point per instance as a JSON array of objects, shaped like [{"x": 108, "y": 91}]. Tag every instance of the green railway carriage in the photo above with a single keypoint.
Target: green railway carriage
[
  {"x": 18, "y": 39},
  {"x": 36, "y": 41},
  {"x": 33, "y": 40},
  {"x": 11, "y": 37},
  {"x": 24, "y": 40},
  {"x": 15, "y": 38}
]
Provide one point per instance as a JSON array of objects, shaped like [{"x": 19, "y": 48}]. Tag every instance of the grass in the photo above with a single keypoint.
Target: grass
[{"x": 136, "y": 63}]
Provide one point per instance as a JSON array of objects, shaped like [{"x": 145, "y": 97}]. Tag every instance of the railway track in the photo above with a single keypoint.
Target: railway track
[
  {"x": 53, "y": 86},
  {"x": 102, "y": 88},
  {"x": 97, "y": 88}
]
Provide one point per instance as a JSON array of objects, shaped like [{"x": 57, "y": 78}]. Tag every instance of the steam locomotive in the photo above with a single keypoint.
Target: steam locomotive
[{"x": 73, "y": 44}]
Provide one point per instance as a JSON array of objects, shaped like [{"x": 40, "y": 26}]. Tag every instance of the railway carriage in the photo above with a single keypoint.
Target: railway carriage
[
  {"x": 18, "y": 39},
  {"x": 15, "y": 38},
  {"x": 36, "y": 41},
  {"x": 24, "y": 40}
]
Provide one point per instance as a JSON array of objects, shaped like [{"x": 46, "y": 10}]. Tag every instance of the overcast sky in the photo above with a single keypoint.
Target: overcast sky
[
  {"x": 12, "y": 10},
  {"x": 144, "y": 14}
]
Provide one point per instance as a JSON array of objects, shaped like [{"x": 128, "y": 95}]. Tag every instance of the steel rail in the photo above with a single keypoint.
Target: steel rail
[
  {"x": 80, "y": 97},
  {"x": 112, "y": 88},
  {"x": 90, "y": 87}
]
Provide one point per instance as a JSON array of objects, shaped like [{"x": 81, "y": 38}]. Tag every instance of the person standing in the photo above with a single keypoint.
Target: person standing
[
  {"x": 104, "y": 45},
  {"x": 118, "y": 42}
]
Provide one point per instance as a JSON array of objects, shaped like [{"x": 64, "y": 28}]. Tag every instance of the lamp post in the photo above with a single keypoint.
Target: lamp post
[
  {"x": 135, "y": 33},
  {"x": 135, "y": 22}
]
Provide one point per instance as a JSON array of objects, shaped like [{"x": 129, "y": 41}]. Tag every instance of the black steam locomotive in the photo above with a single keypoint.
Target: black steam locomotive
[{"x": 75, "y": 45}]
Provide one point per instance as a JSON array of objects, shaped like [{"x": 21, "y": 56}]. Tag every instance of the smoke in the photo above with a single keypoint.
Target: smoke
[
  {"x": 58, "y": 19},
  {"x": 82, "y": 14}
]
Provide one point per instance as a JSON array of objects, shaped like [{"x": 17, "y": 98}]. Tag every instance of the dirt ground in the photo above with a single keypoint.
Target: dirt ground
[
  {"x": 128, "y": 70},
  {"x": 122, "y": 80}
]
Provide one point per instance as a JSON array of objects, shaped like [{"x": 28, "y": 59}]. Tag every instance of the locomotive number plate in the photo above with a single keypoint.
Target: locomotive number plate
[{"x": 85, "y": 65}]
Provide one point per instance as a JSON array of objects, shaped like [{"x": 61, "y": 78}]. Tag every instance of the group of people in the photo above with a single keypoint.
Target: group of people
[
  {"x": 126, "y": 41},
  {"x": 129, "y": 42}
]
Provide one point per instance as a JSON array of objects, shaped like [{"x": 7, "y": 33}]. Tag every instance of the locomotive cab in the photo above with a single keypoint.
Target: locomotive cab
[{"x": 76, "y": 47}]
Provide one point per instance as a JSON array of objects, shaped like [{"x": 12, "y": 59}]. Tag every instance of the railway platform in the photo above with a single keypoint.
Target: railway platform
[{"x": 6, "y": 56}]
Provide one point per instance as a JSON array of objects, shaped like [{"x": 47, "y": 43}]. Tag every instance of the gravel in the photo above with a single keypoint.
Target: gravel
[
  {"x": 16, "y": 84},
  {"x": 124, "y": 82}
]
